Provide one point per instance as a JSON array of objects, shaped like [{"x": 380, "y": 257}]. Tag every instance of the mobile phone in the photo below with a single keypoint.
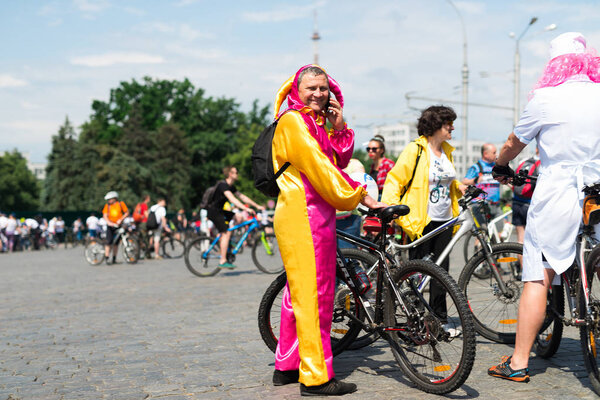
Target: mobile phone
[{"x": 328, "y": 103}]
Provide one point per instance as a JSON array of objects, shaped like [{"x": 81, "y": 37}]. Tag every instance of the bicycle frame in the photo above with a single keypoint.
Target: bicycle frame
[
  {"x": 570, "y": 285},
  {"x": 493, "y": 229},
  {"x": 252, "y": 225}
]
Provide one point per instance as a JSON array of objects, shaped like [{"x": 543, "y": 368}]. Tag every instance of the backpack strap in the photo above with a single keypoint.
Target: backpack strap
[
  {"x": 287, "y": 163},
  {"x": 405, "y": 189}
]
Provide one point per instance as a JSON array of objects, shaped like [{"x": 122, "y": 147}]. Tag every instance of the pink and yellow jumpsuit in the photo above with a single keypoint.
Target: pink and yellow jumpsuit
[{"x": 312, "y": 188}]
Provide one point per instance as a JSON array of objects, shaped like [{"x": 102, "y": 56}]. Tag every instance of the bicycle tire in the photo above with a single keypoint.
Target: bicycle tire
[
  {"x": 365, "y": 261},
  {"x": 495, "y": 313},
  {"x": 130, "y": 250},
  {"x": 589, "y": 333},
  {"x": 548, "y": 340},
  {"x": 436, "y": 353},
  {"x": 269, "y": 316},
  {"x": 268, "y": 261},
  {"x": 94, "y": 253},
  {"x": 197, "y": 262},
  {"x": 172, "y": 248}
]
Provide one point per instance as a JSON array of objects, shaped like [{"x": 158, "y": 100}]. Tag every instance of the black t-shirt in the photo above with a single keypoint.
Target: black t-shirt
[{"x": 219, "y": 198}]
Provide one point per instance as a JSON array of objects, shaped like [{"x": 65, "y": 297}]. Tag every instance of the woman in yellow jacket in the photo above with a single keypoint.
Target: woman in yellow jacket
[{"x": 433, "y": 193}]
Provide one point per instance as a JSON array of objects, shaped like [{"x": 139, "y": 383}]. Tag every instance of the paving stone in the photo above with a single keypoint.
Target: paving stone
[{"x": 152, "y": 330}]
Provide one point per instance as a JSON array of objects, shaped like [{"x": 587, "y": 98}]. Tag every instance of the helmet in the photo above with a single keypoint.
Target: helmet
[
  {"x": 111, "y": 195},
  {"x": 368, "y": 183}
]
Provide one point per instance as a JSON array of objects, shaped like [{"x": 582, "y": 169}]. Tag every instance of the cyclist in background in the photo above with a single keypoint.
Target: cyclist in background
[
  {"x": 114, "y": 212},
  {"x": 480, "y": 175},
  {"x": 224, "y": 192},
  {"x": 522, "y": 195},
  {"x": 160, "y": 212}
]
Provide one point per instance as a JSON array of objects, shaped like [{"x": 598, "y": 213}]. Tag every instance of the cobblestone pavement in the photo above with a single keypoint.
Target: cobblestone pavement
[{"x": 153, "y": 330}]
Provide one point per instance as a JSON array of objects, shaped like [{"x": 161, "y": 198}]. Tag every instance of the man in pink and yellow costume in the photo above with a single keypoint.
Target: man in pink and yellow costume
[{"x": 312, "y": 188}]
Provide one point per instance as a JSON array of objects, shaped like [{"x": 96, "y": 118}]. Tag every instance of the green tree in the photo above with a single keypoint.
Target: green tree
[
  {"x": 255, "y": 121},
  {"x": 19, "y": 189},
  {"x": 58, "y": 193},
  {"x": 172, "y": 166}
]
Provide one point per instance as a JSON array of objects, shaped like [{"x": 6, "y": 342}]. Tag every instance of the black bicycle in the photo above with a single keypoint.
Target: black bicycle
[{"x": 435, "y": 348}]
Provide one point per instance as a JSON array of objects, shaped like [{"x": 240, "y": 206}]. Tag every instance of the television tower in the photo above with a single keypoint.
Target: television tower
[{"x": 315, "y": 38}]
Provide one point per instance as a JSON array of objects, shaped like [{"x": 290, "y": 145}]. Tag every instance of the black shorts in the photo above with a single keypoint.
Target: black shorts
[
  {"x": 220, "y": 218},
  {"x": 111, "y": 232},
  {"x": 519, "y": 213}
]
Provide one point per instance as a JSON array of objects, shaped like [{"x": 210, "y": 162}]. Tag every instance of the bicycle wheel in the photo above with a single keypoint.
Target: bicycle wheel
[
  {"x": 265, "y": 254},
  {"x": 94, "y": 253},
  {"x": 362, "y": 260},
  {"x": 548, "y": 340},
  {"x": 130, "y": 250},
  {"x": 589, "y": 333},
  {"x": 495, "y": 312},
  {"x": 343, "y": 330},
  {"x": 199, "y": 260},
  {"x": 434, "y": 347},
  {"x": 172, "y": 248},
  {"x": 470, "y": 248}
]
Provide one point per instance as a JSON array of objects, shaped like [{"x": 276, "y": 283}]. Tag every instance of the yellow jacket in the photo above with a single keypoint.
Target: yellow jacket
[{"x": 417, "y": 195}]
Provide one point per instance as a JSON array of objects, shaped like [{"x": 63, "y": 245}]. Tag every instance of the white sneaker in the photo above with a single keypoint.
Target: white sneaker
[{"x": 453, "y": 332}]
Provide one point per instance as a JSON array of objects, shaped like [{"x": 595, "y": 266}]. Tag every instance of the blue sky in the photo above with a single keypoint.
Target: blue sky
[{"x": 60, "y": 55}]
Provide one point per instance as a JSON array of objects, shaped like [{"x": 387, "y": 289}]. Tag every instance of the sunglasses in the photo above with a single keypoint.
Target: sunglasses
[{"x": 373, "y": 149}]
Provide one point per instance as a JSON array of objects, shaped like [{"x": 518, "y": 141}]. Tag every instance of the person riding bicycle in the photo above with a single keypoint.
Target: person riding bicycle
[
  {"x": 312, "y": 187},
  {"x": 562, "y": 116},
  {"x": 114, "y": 212},
  {"x": 434, "y": 191},
  {"x": 224, "y": 192}
]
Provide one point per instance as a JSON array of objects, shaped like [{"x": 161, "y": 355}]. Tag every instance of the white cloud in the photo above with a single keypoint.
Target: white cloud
[
  {"x": 183, "y": 31},
  {"x": 91, "y": 6},
  {"x": 108, "y": 59},
  {"x": 134, "y": 11},
  {"x": 470, "y": 7},
  {"x": 29, "y": 106},
  {"x": 184, "y": 3},
  {"x": 280, "y": 15},
  {"x": 9, "y": 81},
  {"x": 41, "y": 127},
  {"x": 196, "y": 53}
]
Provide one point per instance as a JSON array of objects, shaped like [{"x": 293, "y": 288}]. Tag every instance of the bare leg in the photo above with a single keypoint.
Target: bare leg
[
  {"x": 224, "y": 243},
  {"x": 532, "y": 311},
  {"x": 520, "y": 238}
]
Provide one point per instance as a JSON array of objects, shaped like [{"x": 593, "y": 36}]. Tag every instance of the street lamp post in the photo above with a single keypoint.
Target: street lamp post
[
  {"x": 517, "y": 71},
  {"x": 517, "y": 87},
  {"x": 465, "y": 89}
]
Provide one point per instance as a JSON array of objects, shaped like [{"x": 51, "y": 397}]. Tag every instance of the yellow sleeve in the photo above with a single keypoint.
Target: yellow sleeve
[
  {"x": 399, "y": 175},
  {"x": 293, "y": 142}
]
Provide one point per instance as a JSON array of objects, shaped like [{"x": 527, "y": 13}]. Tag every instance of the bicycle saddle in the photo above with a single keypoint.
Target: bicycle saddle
[{"x": 390, "y": 213}]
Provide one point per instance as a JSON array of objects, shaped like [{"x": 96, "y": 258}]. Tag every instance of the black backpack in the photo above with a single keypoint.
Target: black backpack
[
  {"x": 151, "y": 222},
  {"x": 208, "y": 195},
  {"x": 265, "y": 178}
]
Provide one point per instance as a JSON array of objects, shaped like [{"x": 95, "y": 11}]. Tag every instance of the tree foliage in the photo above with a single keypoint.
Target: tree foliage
[
  {"x": 19, "y": 189},
  {"x": 164, "y": 138}
]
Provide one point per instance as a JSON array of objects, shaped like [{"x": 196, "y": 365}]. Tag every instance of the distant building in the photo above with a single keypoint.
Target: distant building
[
  {"x": 396, "y": 136},
  {"x": 38, "y": 169}
]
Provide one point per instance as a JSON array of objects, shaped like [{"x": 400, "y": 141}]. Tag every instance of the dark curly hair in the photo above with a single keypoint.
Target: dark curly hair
[{"x": 432, "y": 119}]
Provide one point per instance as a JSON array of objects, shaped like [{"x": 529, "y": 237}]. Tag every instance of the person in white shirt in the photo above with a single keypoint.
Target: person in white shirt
[
  {"x": 160, "y": 212},
  {"x": 10, "y": 230},
  {"x": 562, "y": 116},
  {"x": 92, "y": 225}
]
